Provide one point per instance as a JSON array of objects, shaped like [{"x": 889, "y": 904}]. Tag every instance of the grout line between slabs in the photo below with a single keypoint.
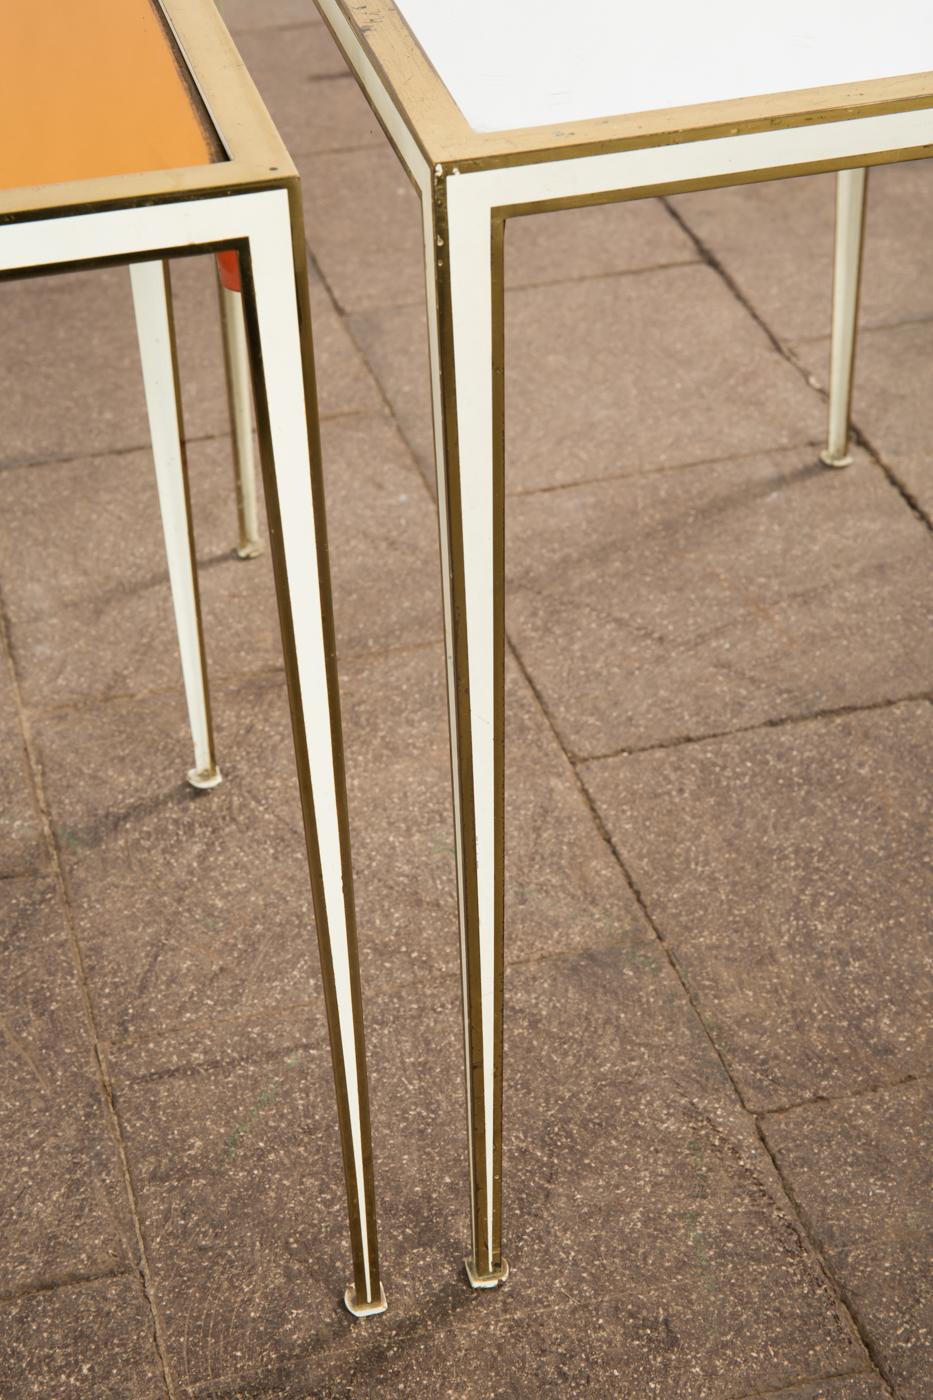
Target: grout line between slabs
[
  {"x": 868, "y": 328},
  {"x": 76, "y": 1280},
  {"x": 836, "y": 1283},
  {"x": 220, "y": 681},
  {"x": 777, "y": 1391},
  {"x": 774, "y": 722},
  {"x": 650, "y": 473},
  {"x": 106, "y": 1089},
  {"x": 843, "y": 1301},
  {"x": 62, "y": 459},
  {"x": 516, "y": 287},
  {"x": 880, "y": 1087},
  {"x": 858, "y": 436}
]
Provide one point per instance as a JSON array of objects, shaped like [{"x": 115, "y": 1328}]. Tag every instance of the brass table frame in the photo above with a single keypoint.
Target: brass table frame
[
  {"x": 470, "y": 182},
  {"x": 248, "y": 202}
]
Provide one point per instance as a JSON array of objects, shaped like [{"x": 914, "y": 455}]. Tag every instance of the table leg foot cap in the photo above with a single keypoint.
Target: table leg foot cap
[
  {"x": 372, "y": 1309},
  {"x": 486, "y": 1280},
  {"x": 251, "y": 550},
  {"x": 204, "y": 778},
  {"x": 834, "y": 459}
]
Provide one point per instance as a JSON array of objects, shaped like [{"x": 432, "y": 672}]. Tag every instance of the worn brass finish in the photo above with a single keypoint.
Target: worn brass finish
[
  {"x": 447, "y": 139},
  {"x": 485, "y": 1266}
]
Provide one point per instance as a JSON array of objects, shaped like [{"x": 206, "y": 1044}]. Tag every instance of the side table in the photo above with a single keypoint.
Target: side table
[
  {"x": 500, "y": 109},
  {"x": 134, "y": 134}
]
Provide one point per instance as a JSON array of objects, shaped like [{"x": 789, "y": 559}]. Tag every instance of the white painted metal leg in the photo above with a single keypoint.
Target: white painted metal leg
[
  {"x": 236, "y": 362},
  {"x": 850, "y": 219},
  {"x": 152, "y": 302},
  {"x": 278, "y": 324},
  {"x": 463, "y": 250}
]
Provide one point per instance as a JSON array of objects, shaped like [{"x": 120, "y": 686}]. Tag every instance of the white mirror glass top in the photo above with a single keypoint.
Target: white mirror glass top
[{"x": 513, "y": 63}]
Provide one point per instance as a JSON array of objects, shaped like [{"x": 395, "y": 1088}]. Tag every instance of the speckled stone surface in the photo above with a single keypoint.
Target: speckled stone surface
[
  {"x": 62, "y": 1196},
  {"x": 643, "y": 1214},
  {"x": 245, "y": 16},
  {"x": 614, "y": 377},
  {"x": 86, "y": 582},
  {"x": 789, "y": 871},
  {"x": 691, "y": 602},
  {"x": 861, "y": 1172},
  {"x": 891, "y": 403},
  {"x": 716, "y": 1182},
  {"x": 22, "y": 844},
  {"x": 70, "y": 375},
  {"x": 171, "y": 891},
  {"x": 311, "y": 115},
  {"x": 85, "y": 1341}
]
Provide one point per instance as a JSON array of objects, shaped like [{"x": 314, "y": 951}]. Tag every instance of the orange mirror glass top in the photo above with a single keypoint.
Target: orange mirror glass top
[{"x": 90, "y": 88}]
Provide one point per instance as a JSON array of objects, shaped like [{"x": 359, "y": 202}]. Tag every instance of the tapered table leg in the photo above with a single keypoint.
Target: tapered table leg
[
  {"x": 850, "y": 223},
  {"x": 236, "y": 365},
  {"x": 275, "y": 292},
  {"x": 155, "y": 329},
  {"x": 464, "y": 289}
]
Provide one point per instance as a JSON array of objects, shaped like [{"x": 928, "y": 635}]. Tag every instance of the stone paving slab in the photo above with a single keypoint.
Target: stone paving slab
[
  {"x": 864, "y": 1387},
  {"x": 564, "y": 891},
  {"x": 365, "y": 232},
  {"x": 180, "y": 907},
  {"x": 71, "y": 380},
  {"x": 892, "y": 404},
  {"x": 86, "y": 582},
  {"x": 776, "y": 240},
  {"x": 22, "y": 843},
  {"x": 312, "y": 98},
  {"x": 788, "y": 869},
  {"x": 62, "y": 1196},
  {"x": 643, "y": 1215},
  {"x": 860, "y": 1171},
  {"x": 70, "y": 376},
  {"x": 188, "y": 906},
  {"x": 244, "y": 16},
  {"x": 629, "y": 1163},
  {"x": 685, "y": 603},
  {"x": 91, "y": 1341},
  {"x": 613, "y": 377}
]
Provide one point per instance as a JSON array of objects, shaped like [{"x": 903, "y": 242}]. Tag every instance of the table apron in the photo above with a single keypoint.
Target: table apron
[
  {"x": 140, "y": 231},
  {"x": 720, "y": 160}
]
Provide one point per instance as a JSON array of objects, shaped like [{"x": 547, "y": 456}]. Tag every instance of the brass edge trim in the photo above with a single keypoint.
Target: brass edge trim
[
  {"x": 257, "y": 154},
  {"x": 462, "y": 773},
  {"x": 432, "y": 116},
  {"x": 303, "y": 297},
  {"x": 301, "y": 751}
]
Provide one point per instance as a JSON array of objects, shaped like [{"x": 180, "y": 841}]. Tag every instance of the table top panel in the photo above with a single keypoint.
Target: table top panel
[
  {"x": 93, "y": 88},
  {"x": 508, "y": 64}
]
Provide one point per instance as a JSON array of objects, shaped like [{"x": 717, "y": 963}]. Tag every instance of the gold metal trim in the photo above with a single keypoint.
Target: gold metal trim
[
  {"x": 485, "y": 1266},
  {"x": 446, "y": 138},
  {"x": 257, "y": 160},
  {"x": 368, "y": 1300},
  {"x": 257, "y": 157}
]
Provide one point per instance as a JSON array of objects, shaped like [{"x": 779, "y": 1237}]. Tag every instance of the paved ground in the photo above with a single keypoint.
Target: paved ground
[{"x": 718, "y": 1035}]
